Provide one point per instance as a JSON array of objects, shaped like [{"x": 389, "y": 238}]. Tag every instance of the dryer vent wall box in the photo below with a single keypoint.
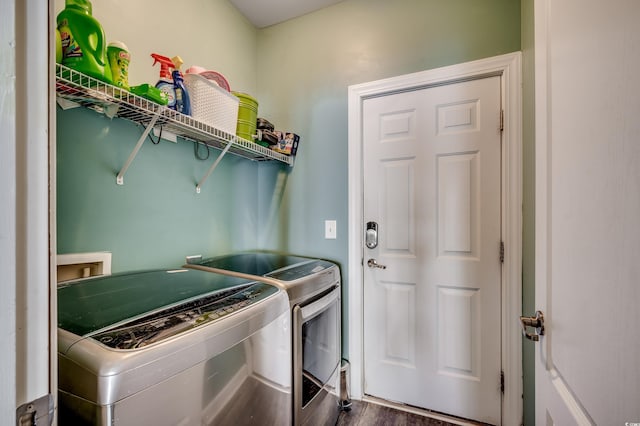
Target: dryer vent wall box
[{"x": 82, "y": 265}]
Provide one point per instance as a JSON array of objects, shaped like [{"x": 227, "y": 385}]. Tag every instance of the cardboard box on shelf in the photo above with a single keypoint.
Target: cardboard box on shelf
[{"x": 287, "y": 142}]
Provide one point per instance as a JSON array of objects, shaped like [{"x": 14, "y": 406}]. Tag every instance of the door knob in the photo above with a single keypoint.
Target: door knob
[
  {"x": 536, "y": 322},
  {"x": 371, "y": 263}
]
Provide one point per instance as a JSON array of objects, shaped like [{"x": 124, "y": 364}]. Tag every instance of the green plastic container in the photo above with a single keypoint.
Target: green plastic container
[
  {"x": 247, "y": 116},
  {"x": 58, "y": 47},
  {"x": 246, "y": 129},
  {"x": 150, "y": 92},
  {"x": 83, "y": 42},
  {"x": 119, "y": 58}
]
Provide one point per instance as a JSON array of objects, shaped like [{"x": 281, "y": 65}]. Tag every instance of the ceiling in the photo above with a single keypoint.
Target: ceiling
[{"x": 263, "y": 13}]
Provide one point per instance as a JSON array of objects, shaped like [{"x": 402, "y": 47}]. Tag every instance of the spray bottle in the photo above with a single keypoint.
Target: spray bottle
[
  {"x": 183, "y": 102},
  {"x": 165, "y": 83}
]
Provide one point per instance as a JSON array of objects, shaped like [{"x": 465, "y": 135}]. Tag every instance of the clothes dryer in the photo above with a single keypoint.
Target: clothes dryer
[{"x": 313, "y": 287}]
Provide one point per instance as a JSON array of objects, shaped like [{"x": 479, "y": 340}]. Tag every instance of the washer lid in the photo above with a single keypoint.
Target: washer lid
[{"x": 88, "y": 306}]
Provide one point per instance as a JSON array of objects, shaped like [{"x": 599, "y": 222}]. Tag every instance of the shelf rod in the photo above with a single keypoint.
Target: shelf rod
[
  {"x": 120, "y": 177},
  {"x": 213, "y": 166}
]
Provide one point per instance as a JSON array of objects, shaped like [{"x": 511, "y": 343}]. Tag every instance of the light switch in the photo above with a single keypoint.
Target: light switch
[{"x": 330, "y": 229}]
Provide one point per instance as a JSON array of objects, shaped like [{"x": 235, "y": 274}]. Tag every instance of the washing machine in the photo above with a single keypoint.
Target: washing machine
[
  {"x": 313, "y": 287},
  {"x": 173, "y": 347}
]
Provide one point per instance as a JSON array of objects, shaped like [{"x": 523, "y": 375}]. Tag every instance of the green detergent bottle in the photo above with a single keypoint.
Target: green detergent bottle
[{"x": 83, "y": 42}]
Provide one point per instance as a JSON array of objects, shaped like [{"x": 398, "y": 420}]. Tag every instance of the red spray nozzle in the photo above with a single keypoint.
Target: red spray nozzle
[{"x": 165, "y": 65}]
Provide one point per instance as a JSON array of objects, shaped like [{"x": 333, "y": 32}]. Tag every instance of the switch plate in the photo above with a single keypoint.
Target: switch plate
[{"x": 330, "y": 230}]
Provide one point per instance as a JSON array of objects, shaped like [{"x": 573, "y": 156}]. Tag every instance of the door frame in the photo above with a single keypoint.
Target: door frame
[
  {"x": 508, "y": 66},
  {"x": 28, "y": 360}
]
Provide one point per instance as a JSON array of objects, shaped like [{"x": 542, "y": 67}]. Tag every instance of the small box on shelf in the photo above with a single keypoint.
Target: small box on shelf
[{"x": 287, "y": 142}]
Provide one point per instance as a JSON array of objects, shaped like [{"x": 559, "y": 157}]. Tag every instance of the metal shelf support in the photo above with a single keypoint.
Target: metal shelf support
[
  {"x": 212, "y": 168},
  {"x": 120, "y": 177}
]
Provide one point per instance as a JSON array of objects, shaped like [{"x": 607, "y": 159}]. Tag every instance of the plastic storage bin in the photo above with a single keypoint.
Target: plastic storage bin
[{"x": 211, "y": 104}]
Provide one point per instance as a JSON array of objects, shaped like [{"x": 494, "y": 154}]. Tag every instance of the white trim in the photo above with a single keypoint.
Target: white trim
[
  {"x": 33, "y": 310},
  {"x": 53, "y": 235},
  {"x": 8, "y": 220},
  {"x": 542, "y": 201},
  {"x": 509, "y": 67}
]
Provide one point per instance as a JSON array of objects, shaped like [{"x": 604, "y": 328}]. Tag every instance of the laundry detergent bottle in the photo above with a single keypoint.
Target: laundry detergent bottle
[{"x": 83, "y": 42}]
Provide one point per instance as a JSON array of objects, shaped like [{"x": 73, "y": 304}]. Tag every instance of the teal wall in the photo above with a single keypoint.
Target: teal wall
[
  {"x": 156, "y": 218},
  {"x": 301, "y": 71},
  {"x": 306, "y": 66}
]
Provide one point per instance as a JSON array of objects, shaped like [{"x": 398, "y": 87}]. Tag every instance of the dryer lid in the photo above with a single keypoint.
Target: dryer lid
[
  {"x": 300, "y": 271},
  {"x": 279, "y": 266}
]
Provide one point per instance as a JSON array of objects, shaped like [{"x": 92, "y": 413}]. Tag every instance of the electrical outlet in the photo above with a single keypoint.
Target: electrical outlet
[{"x": 330, "y": 230}]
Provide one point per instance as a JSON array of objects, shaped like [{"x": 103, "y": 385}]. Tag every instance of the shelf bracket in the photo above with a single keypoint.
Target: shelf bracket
[
  {"x": 120, "y": 177},
  {"x": 213, "y": 166}
]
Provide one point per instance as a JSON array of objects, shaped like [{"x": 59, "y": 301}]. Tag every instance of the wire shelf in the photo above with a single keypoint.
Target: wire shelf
[{"x": 113, "y": 101}]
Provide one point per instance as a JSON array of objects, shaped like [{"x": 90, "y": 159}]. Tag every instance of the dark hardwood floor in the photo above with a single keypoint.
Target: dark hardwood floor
[{"x": 368, "y": 414}]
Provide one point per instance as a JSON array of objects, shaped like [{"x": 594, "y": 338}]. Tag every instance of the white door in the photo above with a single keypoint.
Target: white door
[
  {"x": 432, "y": 186},
  {"x": 588, "y": 212}
]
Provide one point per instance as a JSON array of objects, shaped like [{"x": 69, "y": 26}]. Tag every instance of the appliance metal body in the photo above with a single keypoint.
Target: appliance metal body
[
  {"x": 313, "y": 287},
  {"x": 173, "y": 347}
]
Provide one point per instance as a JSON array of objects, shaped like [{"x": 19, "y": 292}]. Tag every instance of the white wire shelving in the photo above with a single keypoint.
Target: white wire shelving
[{"x": 76, "y": 87}]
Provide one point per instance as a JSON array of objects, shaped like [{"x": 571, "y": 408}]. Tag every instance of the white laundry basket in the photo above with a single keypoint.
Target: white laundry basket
[{"x": 211, "y": 104}]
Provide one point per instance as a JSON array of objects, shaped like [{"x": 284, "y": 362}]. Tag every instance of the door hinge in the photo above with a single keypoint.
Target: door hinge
[
  {"x": 37, "y": 412},
  {"x": 502, "y": 381},
  {"x": 501, "y": 120},
  {"x": 501, "y": 252}
]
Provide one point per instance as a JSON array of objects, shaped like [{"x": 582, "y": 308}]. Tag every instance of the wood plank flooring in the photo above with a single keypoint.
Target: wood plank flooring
[{"x": 368, "y": 414}]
